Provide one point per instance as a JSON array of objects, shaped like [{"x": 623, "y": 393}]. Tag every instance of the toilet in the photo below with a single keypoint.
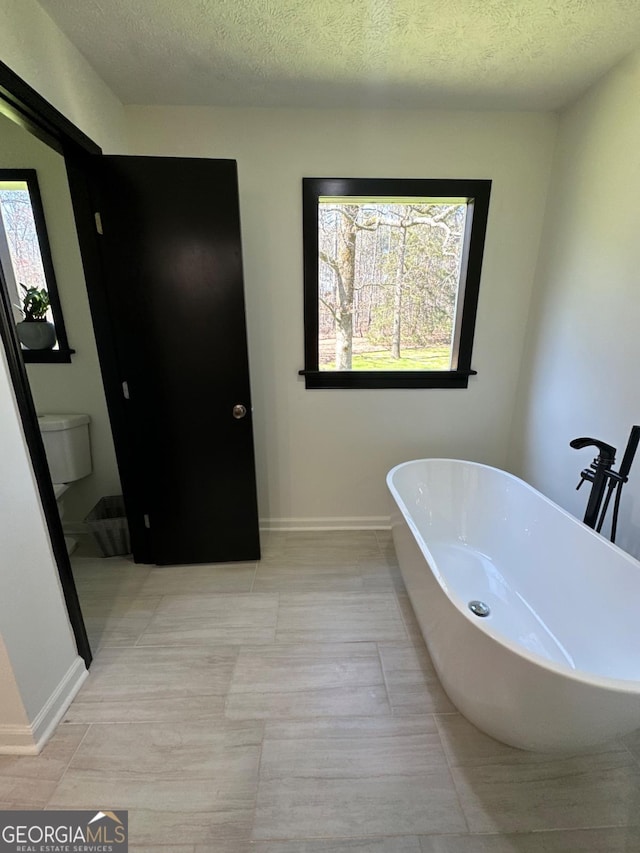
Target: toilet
[{"x": 68, "y": 449}]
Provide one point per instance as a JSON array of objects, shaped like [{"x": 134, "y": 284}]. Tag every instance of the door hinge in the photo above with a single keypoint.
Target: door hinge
[
  {"x": 98, "y": 219},
  {"x": 125, "y": 390},
  {"x": 147, "y": 523}
]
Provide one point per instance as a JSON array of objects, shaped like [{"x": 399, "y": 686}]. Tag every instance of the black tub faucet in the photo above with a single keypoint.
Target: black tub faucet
[
  {"x": 602, "y": 478},
  {"x": 596, "y": 474}
]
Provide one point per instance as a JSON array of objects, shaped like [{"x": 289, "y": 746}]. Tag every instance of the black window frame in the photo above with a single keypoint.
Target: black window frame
[
  {"x": 63, "y": 354},
  {"x": 476, "y": 193}
]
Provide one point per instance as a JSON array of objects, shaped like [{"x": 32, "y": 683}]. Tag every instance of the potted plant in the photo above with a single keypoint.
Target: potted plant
[{"x": 35, "y": 331}]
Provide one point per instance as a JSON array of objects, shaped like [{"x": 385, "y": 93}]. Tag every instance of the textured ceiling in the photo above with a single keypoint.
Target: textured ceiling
[{"x": 482, "y": 54}]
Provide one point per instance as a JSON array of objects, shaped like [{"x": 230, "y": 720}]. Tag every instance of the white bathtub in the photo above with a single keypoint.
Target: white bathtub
[{"x": 556, "y": 664}]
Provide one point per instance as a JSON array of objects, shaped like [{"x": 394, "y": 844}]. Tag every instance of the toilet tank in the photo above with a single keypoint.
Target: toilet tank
[{"x": 66, "y": 443}]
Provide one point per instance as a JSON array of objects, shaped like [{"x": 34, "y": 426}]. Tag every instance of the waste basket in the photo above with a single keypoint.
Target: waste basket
[{"x": 108, "y": 525}]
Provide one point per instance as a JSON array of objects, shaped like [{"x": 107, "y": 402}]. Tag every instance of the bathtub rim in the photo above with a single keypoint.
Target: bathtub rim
[{"x": 580, "y": 675}]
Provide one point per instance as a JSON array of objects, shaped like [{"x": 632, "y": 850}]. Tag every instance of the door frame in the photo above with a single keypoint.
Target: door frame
[{"x": 23, "y": 105}]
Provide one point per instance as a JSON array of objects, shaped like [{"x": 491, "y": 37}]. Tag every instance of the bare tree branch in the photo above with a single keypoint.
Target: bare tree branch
[{"x": 330, "y": 308}]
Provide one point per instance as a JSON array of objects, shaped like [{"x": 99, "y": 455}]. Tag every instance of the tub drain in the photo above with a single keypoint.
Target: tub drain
[{"x": 479, "y": 608}]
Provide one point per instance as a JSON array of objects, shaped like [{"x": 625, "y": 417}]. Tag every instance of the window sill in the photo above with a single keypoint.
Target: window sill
[
  {"x": 47, "y": 356},
  {"x": 386, "y": 378}
]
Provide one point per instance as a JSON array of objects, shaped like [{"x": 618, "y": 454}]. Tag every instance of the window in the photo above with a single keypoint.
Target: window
[
  {"x": 25, "y": 257},
  {"x": 391, "y": 279}
]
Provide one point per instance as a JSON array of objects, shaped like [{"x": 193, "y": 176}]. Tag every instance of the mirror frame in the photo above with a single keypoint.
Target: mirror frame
[{"x": 23, "y": 105}]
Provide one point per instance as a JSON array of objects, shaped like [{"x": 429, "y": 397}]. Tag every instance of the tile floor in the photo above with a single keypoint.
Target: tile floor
[{"x": 291, "y": 707}]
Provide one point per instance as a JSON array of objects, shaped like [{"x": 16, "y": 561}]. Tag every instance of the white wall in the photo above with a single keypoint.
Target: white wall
[
  {"x": 324, "y": 454},
  {"x": 34, "y": 626},
  {"x": 75, "y": 387},
  {"x": 33, "y": 46},
  {"x": 580, "y": 375},
  {"x": 12, "y": 712}
]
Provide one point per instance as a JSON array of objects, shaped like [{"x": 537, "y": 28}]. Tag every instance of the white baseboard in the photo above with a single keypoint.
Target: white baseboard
[
  {"x": 29, "y": 740},
  {"x": 370, "y": 522}
]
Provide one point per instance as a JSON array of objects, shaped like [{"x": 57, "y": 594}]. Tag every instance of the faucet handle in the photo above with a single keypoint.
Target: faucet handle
[{"x": 587, "y": 476}]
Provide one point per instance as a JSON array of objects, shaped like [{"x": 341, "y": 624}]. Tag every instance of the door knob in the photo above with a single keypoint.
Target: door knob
[{"x": 239, "y": 411}]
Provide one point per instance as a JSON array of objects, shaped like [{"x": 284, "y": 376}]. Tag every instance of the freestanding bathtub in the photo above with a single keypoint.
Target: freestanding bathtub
[{"x": 556, "y": 663}]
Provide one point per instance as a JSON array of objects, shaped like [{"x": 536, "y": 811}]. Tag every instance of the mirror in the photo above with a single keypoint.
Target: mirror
[{"x": 74, "y": 387}]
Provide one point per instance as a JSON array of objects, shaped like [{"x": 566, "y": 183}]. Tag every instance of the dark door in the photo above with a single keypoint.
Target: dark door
[{"x": 172, "y": 271}]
